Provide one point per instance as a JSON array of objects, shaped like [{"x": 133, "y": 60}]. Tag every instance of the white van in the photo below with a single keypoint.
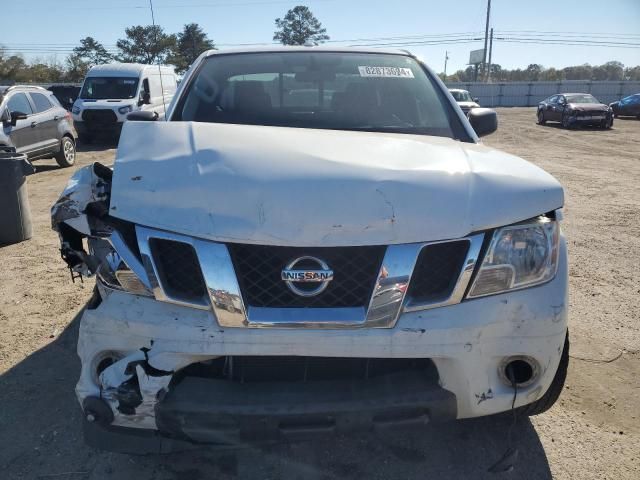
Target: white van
[{"x": 111, "y": 91}]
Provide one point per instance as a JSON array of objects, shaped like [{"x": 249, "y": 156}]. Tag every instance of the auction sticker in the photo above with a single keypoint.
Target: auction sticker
[{"x": 385, "y": 72}]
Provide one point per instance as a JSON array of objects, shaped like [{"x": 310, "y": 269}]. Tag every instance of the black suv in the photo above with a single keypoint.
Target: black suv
[{"x": 34, "y": 122}]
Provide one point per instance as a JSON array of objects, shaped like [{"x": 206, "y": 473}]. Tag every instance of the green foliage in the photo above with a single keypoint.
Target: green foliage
[
  {"x": 191, "y": 42},
  {"x": 89, "y": 53},
  {"x": 300, "y": 27},
  {"x": 611, "y": 71},
  {"x": 146, "y": 44}
]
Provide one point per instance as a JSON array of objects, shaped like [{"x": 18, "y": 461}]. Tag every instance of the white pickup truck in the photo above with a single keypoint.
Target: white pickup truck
[{"x": 314, "y": 240}]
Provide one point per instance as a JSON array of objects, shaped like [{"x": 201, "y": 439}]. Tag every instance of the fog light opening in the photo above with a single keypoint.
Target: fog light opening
[{"x": 521, "y": 370}]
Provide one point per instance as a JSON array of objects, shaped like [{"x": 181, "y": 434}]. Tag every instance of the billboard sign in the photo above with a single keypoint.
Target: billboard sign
[{"x": 476, "y": 56}]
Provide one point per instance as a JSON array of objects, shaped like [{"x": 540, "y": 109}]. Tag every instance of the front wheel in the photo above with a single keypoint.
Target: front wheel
[
  {"x": 541, "y": 119},
  {"x": 67, "y": 154},
  {"x": 545, "y": 402},
  {"x": 607, "y": 124}
]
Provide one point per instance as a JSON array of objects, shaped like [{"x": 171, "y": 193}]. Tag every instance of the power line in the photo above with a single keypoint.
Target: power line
[{"x": 193, "y": 5}]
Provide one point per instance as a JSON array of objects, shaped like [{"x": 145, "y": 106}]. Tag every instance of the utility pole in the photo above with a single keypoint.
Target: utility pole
[
  {"x": 446, "y": 57},
  {"x": 486, "y": 35},
  {"x": 490, "y": 52}
]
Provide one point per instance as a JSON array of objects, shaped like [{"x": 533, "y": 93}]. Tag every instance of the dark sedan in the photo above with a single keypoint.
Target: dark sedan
[
  {"x": 627, "y": 107},
  {"x": 573, "y": 109}
]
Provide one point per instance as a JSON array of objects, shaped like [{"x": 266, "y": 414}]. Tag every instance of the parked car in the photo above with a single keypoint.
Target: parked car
[
  {"x": 111, "y": 91},
  {"x": 34, "y": 122},
  {"x": 574, "y": 109},
  {"x": 464, "y": 100},
  {"x": 627, "y": 107},
  {"x": 65, "y": 93},
  {"x": 269, "y": 267}
]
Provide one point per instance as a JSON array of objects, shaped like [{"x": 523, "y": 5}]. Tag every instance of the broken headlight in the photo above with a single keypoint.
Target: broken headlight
[
  {"x": 114, "y": 273},
  {"x": 519, "y": 256}
]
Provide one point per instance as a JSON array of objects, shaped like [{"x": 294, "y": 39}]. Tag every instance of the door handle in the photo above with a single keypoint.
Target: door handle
[
  {"x": 33, "y": 124},
  {"x": 56, "y": 117}
]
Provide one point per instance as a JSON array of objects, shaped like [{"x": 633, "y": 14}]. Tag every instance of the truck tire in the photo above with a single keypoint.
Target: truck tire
[
  {"x": 545, "y": 402},
  {"x": 67, "y": 154}
]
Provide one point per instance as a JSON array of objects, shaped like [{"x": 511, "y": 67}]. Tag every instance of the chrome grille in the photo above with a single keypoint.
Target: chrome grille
[
  {"x": 243, "y": 286},
  {"x": 178, "y": 269},
  {"x": 99, "y": 116},
  {"x": 437, "y": 270},
  {"x": 259, "y": 274}
]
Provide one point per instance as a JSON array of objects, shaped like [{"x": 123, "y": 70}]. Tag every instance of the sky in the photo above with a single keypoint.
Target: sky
[{"x": 229, "y": 22}]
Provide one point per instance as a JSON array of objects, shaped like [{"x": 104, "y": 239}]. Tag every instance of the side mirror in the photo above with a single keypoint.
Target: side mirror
[
  {"x": 483, "y": 120},
  {"x": 15, "y": 116},
  {"x": 476, "y": 99},
  {"x": 5, "y": 116},
  {"x": 143, "y": 116}
]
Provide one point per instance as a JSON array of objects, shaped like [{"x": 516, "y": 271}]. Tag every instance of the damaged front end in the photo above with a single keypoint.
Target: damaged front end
[
  {"x": 91, "y": 241},
  {"x": 125, "y": 385}
]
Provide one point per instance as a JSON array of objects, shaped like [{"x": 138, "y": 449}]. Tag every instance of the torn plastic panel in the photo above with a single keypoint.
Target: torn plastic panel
[
  {"x": 111, "y": 249},
  {"x": 132, "y": 385}
]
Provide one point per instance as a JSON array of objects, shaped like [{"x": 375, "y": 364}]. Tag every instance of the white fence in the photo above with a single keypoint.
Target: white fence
[{"x": 526, "y": 94}]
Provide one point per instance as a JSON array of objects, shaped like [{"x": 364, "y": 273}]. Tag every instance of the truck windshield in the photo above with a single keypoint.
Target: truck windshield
[
  {"x": 112, "y": 88},
  {"x": 461, "y": 96},
  {"x": 328, "y": 90}
]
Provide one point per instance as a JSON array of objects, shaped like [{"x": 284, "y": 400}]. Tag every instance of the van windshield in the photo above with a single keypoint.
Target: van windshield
[
  {"x": 327, "y": 90},
  {"x": 461, "y": 96},
  {"x": 112, "y": 88}
]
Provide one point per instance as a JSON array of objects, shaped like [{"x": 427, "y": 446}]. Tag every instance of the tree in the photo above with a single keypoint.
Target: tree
[
  {"x": 76, "y": 68},
  {"x": 578, "y": 72},
  {"x": 615, "y": 70},
  {"x": 92, "y": 52},
  {"x": 534, "y": 71},
  {"x": 191, "y": 42},
  {"x": 89, "y": 53},
  {"x": 632, "y": 73},
  {"x": 300, "y": 27},
  {"x": 146, "y": 45},
  {"x": 13, "y": 69}
]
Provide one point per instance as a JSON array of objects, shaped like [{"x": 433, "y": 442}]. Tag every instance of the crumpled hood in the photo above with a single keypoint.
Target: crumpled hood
[
  {"x": 582, "y": 107},
  {"x": 305, "y": 187}
]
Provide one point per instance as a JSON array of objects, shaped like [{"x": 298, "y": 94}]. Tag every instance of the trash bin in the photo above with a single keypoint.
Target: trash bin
[{"x": 15, "y": 215}]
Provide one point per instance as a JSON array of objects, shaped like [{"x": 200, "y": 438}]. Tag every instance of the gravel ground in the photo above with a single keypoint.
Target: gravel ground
[{"x": 592, "y": 432}]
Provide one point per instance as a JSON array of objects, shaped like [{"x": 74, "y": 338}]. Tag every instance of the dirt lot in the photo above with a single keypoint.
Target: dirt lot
[{"x": 592, "y": 432}]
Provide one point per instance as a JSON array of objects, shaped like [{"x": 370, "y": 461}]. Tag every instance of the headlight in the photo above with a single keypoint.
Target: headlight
[
  {"x": 519, "y": 256},
  {"x": 126, "y": 109},
  {"x": 114, "y": 272},
  {"x": 75, "y": 110}
]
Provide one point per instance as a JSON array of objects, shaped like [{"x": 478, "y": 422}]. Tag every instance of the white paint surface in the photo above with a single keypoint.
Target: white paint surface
[{"x": 305, "y": 187}]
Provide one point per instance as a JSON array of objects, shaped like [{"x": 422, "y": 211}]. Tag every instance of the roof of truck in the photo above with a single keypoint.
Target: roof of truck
[{"x": 302, "y": 48}]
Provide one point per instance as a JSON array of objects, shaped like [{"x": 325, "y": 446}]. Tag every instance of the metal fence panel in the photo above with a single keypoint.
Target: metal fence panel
[{"x": 523, "y": 94}]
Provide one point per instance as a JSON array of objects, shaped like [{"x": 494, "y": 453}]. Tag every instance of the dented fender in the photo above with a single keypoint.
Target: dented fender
[{"x": 81, "y": 212}]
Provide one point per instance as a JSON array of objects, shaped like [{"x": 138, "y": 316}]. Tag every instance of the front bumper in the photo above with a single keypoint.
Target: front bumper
[
  {"x": 589, "y": 120},
  {"x": 91, "y": 128},
  {"x": 466, "y": 342}
]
